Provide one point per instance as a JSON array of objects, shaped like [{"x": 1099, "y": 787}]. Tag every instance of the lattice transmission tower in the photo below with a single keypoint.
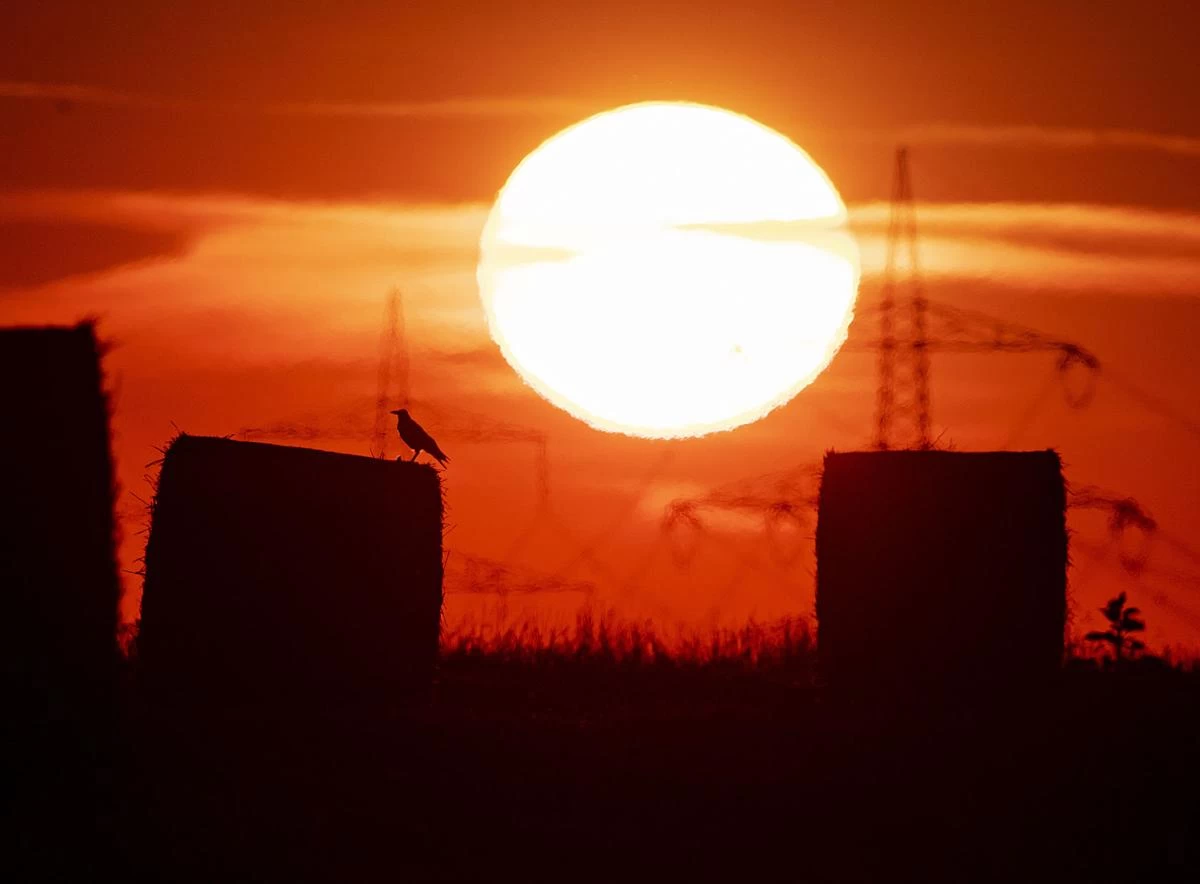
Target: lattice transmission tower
[
  {"x": 392, "y": 384},
  {"x": 902, "y": 400},
  {"x": 912, "y": 327}
]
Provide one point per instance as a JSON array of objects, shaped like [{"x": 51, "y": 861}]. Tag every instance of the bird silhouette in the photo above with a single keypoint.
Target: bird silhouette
[{"x": 414, "y": 436}]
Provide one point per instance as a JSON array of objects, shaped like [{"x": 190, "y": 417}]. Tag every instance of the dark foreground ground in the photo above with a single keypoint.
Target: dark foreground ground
[{"x": 572, "y": 770}]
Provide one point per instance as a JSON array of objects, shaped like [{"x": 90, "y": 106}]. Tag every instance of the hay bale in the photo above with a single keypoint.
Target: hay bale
[
  {"x": 278, "y": 574},
  {"x": 58, "y": 571},
  {"x": 941, "y": 569}
]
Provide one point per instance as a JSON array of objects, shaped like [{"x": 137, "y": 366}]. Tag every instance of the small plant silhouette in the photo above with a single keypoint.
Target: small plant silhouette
[{"x": 1122, "y": 621}]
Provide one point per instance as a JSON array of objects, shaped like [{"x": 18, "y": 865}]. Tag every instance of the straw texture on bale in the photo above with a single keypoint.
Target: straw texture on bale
[
  {"x": 276, "y": 573},
  {"x": 941, "y": 569},
  {"x": 58, "y": 571}
]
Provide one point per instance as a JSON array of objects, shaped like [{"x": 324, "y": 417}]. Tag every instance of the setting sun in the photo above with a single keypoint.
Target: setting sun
[{"x": 668, "y": 269}]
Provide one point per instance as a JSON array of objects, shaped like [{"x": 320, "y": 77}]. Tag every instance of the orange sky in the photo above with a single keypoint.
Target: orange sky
[{"x": 235, "y": 192}]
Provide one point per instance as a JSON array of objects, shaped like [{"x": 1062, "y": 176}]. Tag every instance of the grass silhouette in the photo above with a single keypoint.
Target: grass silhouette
[{"x": 604, "y": 638}]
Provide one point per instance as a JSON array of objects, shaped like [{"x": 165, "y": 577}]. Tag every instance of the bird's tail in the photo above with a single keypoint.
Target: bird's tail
[{"x": 442, "y": 458}]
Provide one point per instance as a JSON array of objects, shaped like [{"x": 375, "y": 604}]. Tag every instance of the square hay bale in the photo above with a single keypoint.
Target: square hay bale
[
  {"x": 278, "y": 574},
  {"x": 941, "y": 570},
  {"x": 58, "y": 571}
]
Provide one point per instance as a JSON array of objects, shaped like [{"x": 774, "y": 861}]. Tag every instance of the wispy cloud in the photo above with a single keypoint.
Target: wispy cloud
[
  {"x": 416, "y": 225},
  {"x": 1062, "y": 246},
  {"x": 369, "y": 246},
  {"x": 40, "y": 251},
  {"x": 532, "y": 106},
  {"x": 1080, "y": 227},
  {"x": 1043, "y": 137},
  {"x": 451, "y": 107},
  {"x": 1066, "y": 246},
  {"x": 507, "y": 107}
]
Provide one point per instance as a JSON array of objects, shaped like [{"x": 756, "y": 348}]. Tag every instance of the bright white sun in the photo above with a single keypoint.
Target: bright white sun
[{"x": 668, "y": 269}]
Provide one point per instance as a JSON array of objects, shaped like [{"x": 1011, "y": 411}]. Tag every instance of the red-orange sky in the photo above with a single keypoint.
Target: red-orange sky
[{"x": 234, "y": 189}]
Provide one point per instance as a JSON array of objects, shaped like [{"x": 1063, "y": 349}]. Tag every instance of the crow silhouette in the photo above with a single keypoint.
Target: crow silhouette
[{"x": 414, "y": 436}]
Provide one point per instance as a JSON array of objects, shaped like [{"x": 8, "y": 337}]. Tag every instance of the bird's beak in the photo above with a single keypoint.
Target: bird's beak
[{"x": 397, "y": 411}]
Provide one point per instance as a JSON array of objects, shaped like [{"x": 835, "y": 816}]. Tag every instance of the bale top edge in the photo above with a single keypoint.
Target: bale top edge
[
  {"x": 186, "y": 441},
  {"x": 87, "y": 326},
  {"x": 936, "y": 454}
]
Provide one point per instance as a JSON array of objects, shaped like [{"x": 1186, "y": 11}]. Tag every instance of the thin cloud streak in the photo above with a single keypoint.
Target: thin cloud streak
[
  {"x": 1070, "y": 226},
  {"x": 370, "y": 246},
  {"x": 1063, "y": 246},
  {"x": 534, "y": 106},
  {"x": 450, "y": 108},
  {"x": 484, "y": 107},
  {"x": 1045, "y": 137}
]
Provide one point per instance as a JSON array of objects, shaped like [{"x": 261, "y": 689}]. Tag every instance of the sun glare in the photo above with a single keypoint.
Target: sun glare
[{"x": 668, "y": 269}]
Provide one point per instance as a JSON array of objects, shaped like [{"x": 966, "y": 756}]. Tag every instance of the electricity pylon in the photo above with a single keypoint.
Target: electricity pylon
[
  {"x": 902, "y": 399},
  {"x": 392, "y": 381}
]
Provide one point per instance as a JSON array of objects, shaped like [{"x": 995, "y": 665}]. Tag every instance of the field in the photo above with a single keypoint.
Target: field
[{"x": 607, "y": 753}]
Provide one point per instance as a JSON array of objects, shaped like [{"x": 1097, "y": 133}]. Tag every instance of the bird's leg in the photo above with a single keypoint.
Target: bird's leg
[{"x": 415, "y": 453}]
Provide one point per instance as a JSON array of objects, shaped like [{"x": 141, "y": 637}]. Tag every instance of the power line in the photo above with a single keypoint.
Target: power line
[
  {"x": 604, "y": 534},
  {"x": 1153, "y": 403},
  {"x": 1027, "y": 417}
]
